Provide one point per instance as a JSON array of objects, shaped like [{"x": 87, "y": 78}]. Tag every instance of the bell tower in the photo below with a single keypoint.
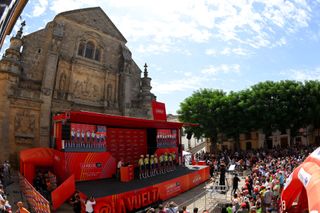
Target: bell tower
[{"x": 10, "y": 71}]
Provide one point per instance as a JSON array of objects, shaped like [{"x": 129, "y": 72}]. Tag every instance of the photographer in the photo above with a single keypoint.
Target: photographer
[{"x": 89, "y": 204}]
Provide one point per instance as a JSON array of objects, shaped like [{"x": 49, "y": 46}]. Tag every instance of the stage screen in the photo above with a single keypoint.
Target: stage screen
[
  {"x": 166, "y": 138},
  {"x": 86, "y": 138}
]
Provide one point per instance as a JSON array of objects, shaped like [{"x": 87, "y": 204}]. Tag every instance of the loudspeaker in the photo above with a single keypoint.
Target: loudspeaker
[
  {"x": 189, "y": 135},
  {"x": 66, "y": 132}
]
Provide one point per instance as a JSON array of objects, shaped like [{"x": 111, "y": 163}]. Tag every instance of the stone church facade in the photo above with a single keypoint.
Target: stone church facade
[{"x": 79, "y": 61}]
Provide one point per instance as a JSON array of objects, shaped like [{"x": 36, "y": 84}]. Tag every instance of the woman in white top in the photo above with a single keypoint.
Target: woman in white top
[{"x": 89, "y": 205}]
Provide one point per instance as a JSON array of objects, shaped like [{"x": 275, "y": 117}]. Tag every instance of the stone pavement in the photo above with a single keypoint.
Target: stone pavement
[{"x": 202, "y": 198}]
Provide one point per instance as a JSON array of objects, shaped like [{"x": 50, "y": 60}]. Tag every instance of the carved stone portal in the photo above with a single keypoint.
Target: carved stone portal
[
  {"x": 86, "y": 89},
  {"x": 25, "y": 124}
]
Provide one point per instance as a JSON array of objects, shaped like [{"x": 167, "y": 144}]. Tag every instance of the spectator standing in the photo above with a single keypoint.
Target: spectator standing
[
  {"x": 184, "y": 208},
  {"x": 21, "y": 209},
  {"x": 235, "y": 184},
  {"x": 161, "y": 209},
  {"x": 267, "y": 197},
  {"x": 89, "y": 204},
  {"x": 172, "y": 207},
  {"x": 119, "y": 165}
]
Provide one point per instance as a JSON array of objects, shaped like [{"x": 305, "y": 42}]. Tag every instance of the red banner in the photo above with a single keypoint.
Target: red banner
[
  {"x": 63, "y": 192},
  {"x": 34, "y": 198},
  {"x": 133, "y": 200},
  {"x": 88, "y": 165},
  {"x": 159, "y": 111}
]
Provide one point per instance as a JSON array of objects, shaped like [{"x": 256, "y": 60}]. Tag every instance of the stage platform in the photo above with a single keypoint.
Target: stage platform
[
  {"x": 113, "y": 196},
  {"x": 112, "y": 186}
]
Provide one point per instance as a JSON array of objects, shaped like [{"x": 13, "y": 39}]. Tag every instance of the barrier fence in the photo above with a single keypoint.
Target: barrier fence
[{"x": 37, "y": 202}]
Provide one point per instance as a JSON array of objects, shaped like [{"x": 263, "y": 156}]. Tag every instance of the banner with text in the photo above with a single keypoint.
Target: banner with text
[{"x": 159, "y": 111}]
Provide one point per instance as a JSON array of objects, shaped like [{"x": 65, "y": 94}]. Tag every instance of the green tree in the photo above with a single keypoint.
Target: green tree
[{"x": 201, "y": 108}]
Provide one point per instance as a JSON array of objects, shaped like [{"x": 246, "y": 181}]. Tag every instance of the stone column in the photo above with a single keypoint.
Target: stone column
[{"x": 48, "y": 83}]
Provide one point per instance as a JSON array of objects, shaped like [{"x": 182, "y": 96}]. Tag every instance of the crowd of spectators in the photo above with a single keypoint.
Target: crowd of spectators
[
  {"x": 5, "y": 181},
  {"x": 265, "y": 173}
]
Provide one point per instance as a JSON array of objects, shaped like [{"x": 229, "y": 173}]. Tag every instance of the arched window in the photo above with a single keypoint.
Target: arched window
[
  {"x": 97, "y": 54},
  {"x": 89, "y": 50},
  {"x": 81, "y": 48}
]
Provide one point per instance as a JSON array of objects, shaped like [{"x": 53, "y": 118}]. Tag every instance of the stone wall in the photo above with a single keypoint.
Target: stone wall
[{"x": 51, "y": 75}]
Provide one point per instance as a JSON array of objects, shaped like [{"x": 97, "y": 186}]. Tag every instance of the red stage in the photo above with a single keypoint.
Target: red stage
[
  {"x": 87, "y": 146},
  {"x": 142, "y": 193}
]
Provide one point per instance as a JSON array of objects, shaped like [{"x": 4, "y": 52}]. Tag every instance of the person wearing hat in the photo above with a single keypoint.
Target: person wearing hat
[
  {"x": 141, "y": 167},
  {"x": 146, "y": 166},
  {"x": 243, "y": 208}
]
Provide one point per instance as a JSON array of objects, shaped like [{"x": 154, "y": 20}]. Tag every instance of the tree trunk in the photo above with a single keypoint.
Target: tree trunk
[
  {"x": 237, "y": 144},
  {"x": 213, "y": 145}
]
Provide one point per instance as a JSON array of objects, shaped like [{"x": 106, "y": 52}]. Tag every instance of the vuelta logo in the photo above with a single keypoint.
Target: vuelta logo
[{"x": 159, "y": 111}]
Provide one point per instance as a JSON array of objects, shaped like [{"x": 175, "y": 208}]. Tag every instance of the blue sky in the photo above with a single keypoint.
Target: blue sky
[{"x": 219, "y": 44}]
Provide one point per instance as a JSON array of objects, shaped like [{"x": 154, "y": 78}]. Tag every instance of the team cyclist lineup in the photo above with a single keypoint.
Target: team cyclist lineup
[{"x": 153, "y": 165}]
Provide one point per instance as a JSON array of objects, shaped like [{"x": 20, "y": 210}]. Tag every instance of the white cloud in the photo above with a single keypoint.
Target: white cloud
[
  {"x": 39, "y": 8},
  {"x": 303, "y": 74},
  {"x": 228, "y": 51},
  {"x": 164, "y": 25},
  {"x": 222, "y": 68},
  {"x": 178, "y": 85},
  {"x": 194, "y": 81},
  {"x": 58, "y": 6}
]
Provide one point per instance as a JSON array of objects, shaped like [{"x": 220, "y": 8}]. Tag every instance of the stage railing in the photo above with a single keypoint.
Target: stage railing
[{"x": 37, "y": 202}]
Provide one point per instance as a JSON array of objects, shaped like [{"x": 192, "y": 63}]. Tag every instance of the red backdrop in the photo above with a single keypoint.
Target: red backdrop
[{"x": 128, "y": 144}]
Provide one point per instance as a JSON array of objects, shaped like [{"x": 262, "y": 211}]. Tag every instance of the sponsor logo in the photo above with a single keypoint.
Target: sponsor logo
[
  {"x": 160, "y": 111},
  {"x": 173, "y": 188},
  {"x": 88, "y": 165},
  {"x": 288, "y": 181},
  {"x": 197, "y": 179},
  {"x": 304, "y": 177}
]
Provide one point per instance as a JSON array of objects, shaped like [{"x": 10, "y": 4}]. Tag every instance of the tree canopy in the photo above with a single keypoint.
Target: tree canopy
[{"x": 267, "y": 105}]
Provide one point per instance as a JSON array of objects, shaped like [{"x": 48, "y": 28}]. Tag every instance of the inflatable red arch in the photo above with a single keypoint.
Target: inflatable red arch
[{"x": 303, "y": 186}]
